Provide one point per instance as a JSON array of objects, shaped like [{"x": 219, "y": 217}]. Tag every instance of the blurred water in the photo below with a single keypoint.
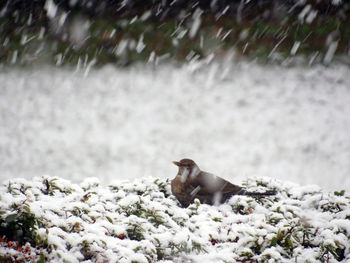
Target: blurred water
[{"x": 237, "y": 121}]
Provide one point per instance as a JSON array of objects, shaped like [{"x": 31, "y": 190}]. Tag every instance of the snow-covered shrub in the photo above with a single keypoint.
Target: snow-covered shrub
[{"x": 53, "y": 220}]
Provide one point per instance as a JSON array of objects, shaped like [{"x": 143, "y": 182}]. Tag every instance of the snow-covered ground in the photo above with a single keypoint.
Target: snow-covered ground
[{"x": 235, "y": 120}]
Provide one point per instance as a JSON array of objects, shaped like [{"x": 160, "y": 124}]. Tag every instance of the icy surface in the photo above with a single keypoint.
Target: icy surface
[{"x": 235, "y": 120}]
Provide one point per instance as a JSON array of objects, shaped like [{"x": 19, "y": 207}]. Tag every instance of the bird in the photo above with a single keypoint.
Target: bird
[{"x": 191, "y": 183}]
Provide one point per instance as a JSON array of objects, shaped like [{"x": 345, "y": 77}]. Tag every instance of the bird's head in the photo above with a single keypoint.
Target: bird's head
[{"x": 187, "y": 169}]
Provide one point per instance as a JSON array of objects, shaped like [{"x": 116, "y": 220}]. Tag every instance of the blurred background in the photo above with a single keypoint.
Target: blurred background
[{"x": 118, "y": 89}]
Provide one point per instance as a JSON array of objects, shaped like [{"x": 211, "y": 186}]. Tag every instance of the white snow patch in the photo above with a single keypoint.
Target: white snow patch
[
  {"x": 51, "y": 8},
  {"x": 286, "y": 123}
]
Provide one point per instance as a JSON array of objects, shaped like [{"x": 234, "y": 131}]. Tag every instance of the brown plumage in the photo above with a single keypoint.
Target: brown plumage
[{"x": 191, "y": 183}]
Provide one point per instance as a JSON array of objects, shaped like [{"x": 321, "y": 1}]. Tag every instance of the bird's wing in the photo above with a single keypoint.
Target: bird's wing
[
  {"x": 232, "y": 189},
  {"x": 210, "y": 184}
]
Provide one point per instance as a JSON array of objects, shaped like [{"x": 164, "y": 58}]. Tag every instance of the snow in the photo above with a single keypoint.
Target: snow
[
  {"x": 196, "y": 17},
  {"x": 236, "y": 120},
  {"x": 330, "y": 52},
  {"x": 50, "y": 8},
  {"x": 295, "y": 48},
  {"x": 104, "y": 229}
]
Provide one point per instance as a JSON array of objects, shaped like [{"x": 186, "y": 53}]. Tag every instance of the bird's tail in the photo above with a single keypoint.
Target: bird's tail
[{"x": 260, "y": 194}]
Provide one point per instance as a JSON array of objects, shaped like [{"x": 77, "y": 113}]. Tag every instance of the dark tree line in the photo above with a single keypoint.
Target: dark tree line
[{"x": 170, "y": 8}]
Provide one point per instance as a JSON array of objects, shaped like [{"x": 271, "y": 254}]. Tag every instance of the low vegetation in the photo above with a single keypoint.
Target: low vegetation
[{"x": 51, "y": 219}]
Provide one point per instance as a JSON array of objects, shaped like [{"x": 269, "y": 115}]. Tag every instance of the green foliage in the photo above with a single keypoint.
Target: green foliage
[
  {"x": 193, "y": 208},
  {"x": 50, "y": 187},
  {"x": 86, "y": 250},
  {"x": 135, "y": 232},
  {"x": 41, "y": 259},
  {"x": 154, "y": 217},
  {"x": 20, "y": 226},
  {"x": 340, "y": 193},
  {"x": 26, "y": 43},
  {"x": 337, "y": 252},
  {"x": 163, "y": 187}
]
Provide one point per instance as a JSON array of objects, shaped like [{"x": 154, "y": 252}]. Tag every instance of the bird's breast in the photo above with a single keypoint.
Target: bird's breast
[{"x": 177, "y": 186}]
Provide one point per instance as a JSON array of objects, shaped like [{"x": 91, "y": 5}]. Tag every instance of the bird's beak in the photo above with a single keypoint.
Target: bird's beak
[{"x": 177, "y": 163}]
